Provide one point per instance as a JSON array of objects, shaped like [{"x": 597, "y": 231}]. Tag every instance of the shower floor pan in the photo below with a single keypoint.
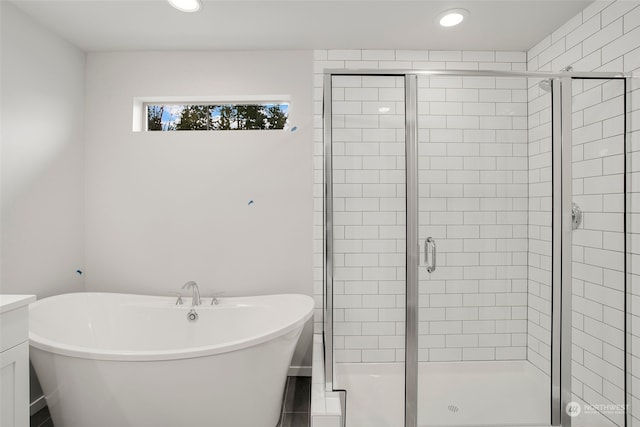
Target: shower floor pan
[{"x": 493, "y": 393}]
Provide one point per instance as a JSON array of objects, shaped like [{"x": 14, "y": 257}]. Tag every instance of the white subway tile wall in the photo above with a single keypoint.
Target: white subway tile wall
[
  {"x": 473, "y": 201},
  {"x": 369, "y": 217},
  {"x": 598, "y": 260},
  {"x": 539, "y": 229},
  {"x": 603, "y": 37}
]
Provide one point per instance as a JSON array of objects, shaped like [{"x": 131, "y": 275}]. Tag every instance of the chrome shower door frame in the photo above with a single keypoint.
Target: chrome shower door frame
[
  {"x": 562, "y": 229},
  {"x": 561, "y": 225},
  {"x": 413, "y": 252},
  {"x": 328, "y": 234}
]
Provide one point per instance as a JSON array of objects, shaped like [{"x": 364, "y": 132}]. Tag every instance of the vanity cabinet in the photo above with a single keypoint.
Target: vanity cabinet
[{"x": 14, "y": 360}]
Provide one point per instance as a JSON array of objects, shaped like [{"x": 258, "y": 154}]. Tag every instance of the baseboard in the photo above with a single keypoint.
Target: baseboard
[
  {"x": 37, "y": 405},
  {"x": 299, "y": 371}
]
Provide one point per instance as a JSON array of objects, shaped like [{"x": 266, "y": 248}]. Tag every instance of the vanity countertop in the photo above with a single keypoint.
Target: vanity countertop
[{"x": 10, "y": 302}]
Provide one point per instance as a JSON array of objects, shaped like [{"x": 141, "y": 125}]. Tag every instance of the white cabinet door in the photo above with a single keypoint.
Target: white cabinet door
[{"x": 14, "y": 386}]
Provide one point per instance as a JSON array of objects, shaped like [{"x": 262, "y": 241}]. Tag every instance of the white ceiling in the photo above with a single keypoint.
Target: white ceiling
[{"x": 96, "y": 25}]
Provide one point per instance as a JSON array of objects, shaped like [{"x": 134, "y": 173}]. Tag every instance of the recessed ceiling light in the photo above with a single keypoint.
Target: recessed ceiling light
[
  {"x": 186, "y": 5},
  {"x": 384, "y": 109},
  {"x": 452, "y": 17}
]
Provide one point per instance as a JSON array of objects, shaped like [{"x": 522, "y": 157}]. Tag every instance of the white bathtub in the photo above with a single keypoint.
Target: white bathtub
[{"x": 131, "y": 360}]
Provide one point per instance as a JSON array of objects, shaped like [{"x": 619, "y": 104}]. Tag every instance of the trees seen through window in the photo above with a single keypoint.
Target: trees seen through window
[{"x": 173, "y": 117}]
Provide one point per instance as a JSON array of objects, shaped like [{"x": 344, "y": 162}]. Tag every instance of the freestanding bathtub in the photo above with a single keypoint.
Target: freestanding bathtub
[{"x": 118, "y": 360}]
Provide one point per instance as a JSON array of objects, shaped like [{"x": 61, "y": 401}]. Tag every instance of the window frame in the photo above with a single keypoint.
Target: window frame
[{"x": 140, "y": 106}]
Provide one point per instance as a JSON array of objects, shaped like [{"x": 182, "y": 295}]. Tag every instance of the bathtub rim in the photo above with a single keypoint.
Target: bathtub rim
[{"x": 80, "y": 352}]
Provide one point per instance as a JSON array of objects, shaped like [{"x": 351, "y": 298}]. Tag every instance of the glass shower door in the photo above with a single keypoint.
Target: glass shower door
[
  {"x": 492, "y": 259},
  {"x": 369, "y": 252},
  {"x": 485, "y": 233}
]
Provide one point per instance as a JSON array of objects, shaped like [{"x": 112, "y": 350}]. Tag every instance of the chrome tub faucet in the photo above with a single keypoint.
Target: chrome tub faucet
[{"x": 196, "y": 292}]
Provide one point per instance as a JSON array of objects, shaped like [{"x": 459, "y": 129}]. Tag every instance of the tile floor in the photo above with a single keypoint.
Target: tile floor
[
  {"x": 41, "y": 418},
  {"x": 295, "y": 411},
  {"x": 297, "y": 403}
]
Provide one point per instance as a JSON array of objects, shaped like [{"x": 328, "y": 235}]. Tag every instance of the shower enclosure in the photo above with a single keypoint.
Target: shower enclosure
[{"x": 475, "y": 247}]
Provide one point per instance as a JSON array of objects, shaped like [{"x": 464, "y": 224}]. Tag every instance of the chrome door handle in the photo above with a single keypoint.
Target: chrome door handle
[{"x": 430, "y": 242}]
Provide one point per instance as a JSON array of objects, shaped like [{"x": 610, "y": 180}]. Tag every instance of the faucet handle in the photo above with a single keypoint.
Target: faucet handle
[
  {"x": 179, "y": 295},
  {"x": 214, "y": 297}
]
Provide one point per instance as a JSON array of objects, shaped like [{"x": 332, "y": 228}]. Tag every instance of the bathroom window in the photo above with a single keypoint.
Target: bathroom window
[{"x": 166, "y": 117}]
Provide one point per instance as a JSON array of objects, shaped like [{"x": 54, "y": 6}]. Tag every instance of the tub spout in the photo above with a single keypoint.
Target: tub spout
[{"x": 196, "y": 292}]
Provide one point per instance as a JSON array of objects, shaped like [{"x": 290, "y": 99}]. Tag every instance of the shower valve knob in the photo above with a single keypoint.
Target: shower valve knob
[{"x": 576, "y": 216}]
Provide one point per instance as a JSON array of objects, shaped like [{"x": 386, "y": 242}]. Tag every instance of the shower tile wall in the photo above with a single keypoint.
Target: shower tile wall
[
  {"x": 369, "y": 217},
  {"x": 598, "y": 245},
  {"x": 472, "y": 134},
  {"x": 540, "y": 233},
  {"x": 603, "y": 37},
  {"x": 369, "y": 319}
]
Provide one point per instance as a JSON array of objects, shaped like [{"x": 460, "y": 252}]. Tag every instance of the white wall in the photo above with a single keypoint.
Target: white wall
[
  {"x": 42, "y": 182},
  {"x": 165, "y": 208},
  {"x": 42, "y": 159}
]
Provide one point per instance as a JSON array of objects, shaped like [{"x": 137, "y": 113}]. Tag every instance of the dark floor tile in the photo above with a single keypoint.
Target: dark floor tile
[
  {"x": 48, "y": 423},
  {"x": 40, "y": 417},
  {"x": 298, "y": 397},
  {"x": 296, "y": 420}
]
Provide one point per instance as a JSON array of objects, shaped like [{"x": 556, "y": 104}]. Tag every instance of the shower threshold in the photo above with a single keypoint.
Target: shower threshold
[{"x": 487, "y": 393}]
